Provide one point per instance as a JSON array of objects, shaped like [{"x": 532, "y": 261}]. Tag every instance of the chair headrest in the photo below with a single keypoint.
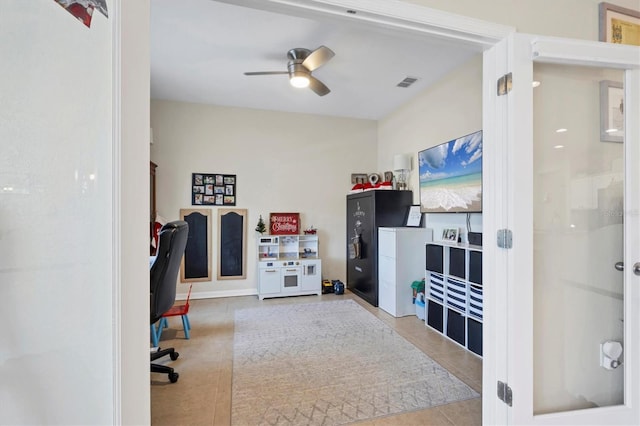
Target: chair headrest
[{"x": 172, "y": 242}]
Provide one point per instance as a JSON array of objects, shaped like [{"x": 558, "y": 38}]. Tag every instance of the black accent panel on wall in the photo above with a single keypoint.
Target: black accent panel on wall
[
  {"x": 232, "y": 244},
  {"x": 231, "y": 252},
  {"x": 196, "y": 255}
]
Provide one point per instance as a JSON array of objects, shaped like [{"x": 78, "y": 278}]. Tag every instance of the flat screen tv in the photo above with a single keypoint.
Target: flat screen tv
[{"x": 451, "y": 176}]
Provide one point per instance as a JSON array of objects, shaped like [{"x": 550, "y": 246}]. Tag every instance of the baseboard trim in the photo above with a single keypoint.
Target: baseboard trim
[{"x": 217, "y": 294}]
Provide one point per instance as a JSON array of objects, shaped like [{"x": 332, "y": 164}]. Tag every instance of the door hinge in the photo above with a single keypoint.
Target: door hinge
[
  {"x": 505, "y": 238},
  {"x": 504, "y": 84},
  {"x": 505, "y": 394}
]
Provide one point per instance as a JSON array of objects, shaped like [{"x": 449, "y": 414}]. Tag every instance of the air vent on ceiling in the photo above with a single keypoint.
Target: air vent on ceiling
[{"x": 408, "y": 81}]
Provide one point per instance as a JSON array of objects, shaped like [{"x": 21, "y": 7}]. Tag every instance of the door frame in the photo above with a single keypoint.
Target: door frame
[
  {"x": 129, "y": 21},
  {"x": 420, "y": 20},
  {"x": 510, "y": 207},
  {"x": 403, "y": 17}
]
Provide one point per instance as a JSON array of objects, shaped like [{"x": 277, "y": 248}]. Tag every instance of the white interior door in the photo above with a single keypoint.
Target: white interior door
[{"x": 567, "y": 188}]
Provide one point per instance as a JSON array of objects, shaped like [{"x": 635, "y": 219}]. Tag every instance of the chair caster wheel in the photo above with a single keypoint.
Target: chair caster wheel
[
  {"x": 173, "y": 377},
  {"x": 174, "y": 356}
]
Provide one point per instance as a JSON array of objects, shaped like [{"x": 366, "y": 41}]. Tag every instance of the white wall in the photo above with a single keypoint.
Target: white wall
[
  {"x": 448, "y": 110},
  {"x": 284, "y": 162},
  {"x": 561, "y": 18},
  {"x": 73, "y": 240},
  {"x": 56, "y": 357}
]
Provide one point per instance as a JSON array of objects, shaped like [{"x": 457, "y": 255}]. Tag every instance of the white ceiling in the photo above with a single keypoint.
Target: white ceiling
[{"x": 201, "y": 48}]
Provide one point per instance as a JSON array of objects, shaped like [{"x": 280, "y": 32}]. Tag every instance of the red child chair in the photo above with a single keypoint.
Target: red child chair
[{"x": 176, "y": 310}]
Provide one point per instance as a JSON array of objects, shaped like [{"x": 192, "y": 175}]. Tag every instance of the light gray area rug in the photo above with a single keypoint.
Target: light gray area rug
[{"x": 329, "y": 363}]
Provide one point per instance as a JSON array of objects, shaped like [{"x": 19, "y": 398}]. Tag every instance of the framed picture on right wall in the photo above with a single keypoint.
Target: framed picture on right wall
[
  {"x": 450, "y": 176},
  {"x": 619, "y": 25},
  {"x": 450, "y": 235},
  {"x": 611, "y": 111}
]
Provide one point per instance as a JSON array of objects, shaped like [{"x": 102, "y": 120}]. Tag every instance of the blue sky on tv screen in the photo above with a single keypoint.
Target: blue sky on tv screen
[{"x": 459, "y": 157}]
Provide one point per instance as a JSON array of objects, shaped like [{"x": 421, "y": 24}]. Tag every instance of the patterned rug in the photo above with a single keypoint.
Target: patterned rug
[{"x": 329, "y": 363}]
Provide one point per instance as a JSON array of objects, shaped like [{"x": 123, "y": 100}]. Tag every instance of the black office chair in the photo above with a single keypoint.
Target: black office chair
[{"x": 172, "y": 241}]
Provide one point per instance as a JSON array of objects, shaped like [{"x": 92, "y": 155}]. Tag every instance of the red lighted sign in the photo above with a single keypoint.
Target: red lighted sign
[{"x": 284, "y": 223}]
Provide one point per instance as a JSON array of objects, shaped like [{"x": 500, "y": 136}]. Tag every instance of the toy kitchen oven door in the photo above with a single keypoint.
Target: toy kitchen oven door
[
  {"x": 301, "y": 276},
  {"x": 290, "y": 275}
]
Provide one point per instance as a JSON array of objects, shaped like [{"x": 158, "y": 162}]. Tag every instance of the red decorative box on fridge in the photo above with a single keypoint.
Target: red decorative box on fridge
[{"x": 284, "y": 223}]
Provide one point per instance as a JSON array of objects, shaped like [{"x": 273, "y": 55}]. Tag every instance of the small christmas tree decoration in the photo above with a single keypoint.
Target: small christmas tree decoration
[{"x": 261, "y": 228}]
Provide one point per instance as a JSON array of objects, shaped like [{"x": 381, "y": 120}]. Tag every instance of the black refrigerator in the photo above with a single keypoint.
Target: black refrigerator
[{"x": 366, "y": 211}]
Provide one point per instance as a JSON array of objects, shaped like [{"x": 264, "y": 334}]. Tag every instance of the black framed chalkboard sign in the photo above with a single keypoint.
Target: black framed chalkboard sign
[
  {"x": 232, "y": 244},
  {"x": 196, "y": 262}
]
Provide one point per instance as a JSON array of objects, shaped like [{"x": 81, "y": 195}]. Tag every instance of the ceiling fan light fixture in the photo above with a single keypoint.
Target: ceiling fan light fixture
[
  {"x": 302, "y": 62},
  {"x": 298, "y": 75},
  {"x": 299, "y": 80}
]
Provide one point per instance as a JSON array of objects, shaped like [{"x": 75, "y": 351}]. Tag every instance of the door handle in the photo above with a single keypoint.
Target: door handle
[{"x": 619, "y": 266}]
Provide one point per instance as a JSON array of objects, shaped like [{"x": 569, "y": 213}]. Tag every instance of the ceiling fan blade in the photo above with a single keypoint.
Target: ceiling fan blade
[
  {"x": 266, "y": 72},
  {"x": 318, "y": 86},
  {"x": 317, "y": 58}
]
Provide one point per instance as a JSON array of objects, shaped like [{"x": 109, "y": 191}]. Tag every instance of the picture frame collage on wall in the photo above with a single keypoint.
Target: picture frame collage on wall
[{"x": 213, "y": 189}]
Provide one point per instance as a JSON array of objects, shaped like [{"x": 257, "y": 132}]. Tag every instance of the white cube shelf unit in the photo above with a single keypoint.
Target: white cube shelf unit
[
  {"x": 288, "y": 265},
  {"x": 453, "y": 287}
]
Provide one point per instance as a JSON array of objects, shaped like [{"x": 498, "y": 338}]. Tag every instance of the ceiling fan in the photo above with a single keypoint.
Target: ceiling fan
[{"x": 301, "y": 63}]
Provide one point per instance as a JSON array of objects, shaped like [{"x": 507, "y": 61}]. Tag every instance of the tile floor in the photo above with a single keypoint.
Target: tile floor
[{"x": 202, "y": 395}]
